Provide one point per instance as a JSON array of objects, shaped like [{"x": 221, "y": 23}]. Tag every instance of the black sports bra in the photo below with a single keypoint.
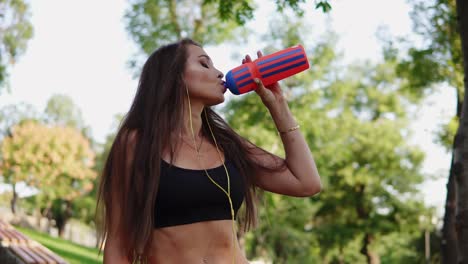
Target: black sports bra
[{"x": 188, "y": 196}]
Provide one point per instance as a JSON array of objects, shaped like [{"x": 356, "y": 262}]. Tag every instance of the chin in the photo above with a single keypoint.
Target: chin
[{"x": 216, "y": 101}]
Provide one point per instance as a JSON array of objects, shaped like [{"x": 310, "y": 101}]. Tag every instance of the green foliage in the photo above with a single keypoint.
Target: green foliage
[
  {"x": 369, "y": 91},
  {"x": 370, "y": 178},
  {"x": 14, "y": 114},
  {"x": 354, "y": 120},
  {"x": 284, "y": 231},
  {"x": 436, "y": 22},
  {"x": 286, "y": 32},
  {"x": 439, "y": 58},
  {"x": 298, "y": 10},
  {"x": 324, "y": 5},
  {"x": 84, "y": 207},
  {"x": 61, "y": 110},
  {"x": 152, "y": 24},
  {"x": 397, "y": 250},
  {"x": 56, "y": 160},
  {"x": 238, "y": 11},
  {"x": 15, "y": 31},
  {"x": 71, "y": 252},
  {"x": 106, "y": 146},
  {"x": 422, "y": 70},
  {"x": 446, "y": 133}
]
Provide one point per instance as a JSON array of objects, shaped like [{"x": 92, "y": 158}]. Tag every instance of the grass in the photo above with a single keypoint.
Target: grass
[{"x": 71, "y": 252}]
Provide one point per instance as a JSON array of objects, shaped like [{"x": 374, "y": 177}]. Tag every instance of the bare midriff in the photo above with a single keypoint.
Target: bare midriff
[{"x": 198, "y": 243}]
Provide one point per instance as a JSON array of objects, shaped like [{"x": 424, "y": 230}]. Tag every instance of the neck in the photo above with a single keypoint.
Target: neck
[{"x": 195, "y": 112}]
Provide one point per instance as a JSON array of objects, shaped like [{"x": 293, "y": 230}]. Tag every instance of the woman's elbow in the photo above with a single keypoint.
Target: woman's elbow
[{"x": 312, "y": 189}]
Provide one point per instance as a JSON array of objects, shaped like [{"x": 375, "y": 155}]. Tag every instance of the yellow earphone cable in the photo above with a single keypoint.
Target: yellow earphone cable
[{"x": 228, "y": 192}]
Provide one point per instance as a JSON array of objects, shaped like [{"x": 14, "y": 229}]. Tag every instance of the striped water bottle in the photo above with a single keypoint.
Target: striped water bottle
[{"x": 270, "y": 69}]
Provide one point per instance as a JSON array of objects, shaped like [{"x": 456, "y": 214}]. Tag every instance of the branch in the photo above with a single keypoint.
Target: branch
[{"x": 173, "y": 15}]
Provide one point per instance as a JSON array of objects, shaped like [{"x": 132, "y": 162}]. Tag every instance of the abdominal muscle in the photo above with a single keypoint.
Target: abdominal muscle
[{"x": 199, "y": 243}]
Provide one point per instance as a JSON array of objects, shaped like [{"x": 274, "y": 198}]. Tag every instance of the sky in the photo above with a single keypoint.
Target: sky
[{"x": 80, "y": 49}]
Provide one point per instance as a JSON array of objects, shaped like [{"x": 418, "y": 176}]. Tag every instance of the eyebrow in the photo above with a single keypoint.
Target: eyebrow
[{"x": 206, "y": 56}]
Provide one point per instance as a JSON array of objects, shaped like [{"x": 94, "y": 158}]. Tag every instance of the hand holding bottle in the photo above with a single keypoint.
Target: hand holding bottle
[{"x": 269, "y": 69}]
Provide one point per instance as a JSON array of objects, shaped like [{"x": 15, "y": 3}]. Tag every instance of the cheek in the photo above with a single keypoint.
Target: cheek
[{"x": 195, "y": 78}]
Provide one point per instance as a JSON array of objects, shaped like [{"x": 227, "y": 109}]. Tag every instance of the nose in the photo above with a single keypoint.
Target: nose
[{"x": 220, "y": 75}]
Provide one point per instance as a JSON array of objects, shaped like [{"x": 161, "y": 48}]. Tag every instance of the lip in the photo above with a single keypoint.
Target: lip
[{"x": 223, "y": 83}]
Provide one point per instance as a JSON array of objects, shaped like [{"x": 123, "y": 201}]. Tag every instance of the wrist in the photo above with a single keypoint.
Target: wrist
[
  {"x": 279, "y": 107},
  {"x": 283, "y": 118},
  {"x": 291, "y": 129}
]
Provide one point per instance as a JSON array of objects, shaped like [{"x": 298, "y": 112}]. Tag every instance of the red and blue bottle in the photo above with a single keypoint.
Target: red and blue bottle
[{"x": 270, "y": 69}]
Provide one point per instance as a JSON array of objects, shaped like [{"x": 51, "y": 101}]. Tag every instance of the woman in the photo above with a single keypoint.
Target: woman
[{"x": 177, "y": 174}]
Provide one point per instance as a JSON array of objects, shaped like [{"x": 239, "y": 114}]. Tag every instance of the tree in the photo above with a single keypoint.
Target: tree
[
  {"x": 15, "y": 32},
  {"x": 56, "y": 160},
  {"x": 369, "y": 174},
  {"x": 11, "y": 115},
  {"x": 62, "y": 111},
  {"x": 155, "y": 23},
  {"x": 460, "y": 163},
  {"x": 354, "y": 120},
  {"x": 152, "y": 24},
  {"x": 441, "y": 60}
]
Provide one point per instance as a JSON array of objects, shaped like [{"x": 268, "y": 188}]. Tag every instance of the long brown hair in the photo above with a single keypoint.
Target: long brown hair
[{"x": 130, "y": 178}]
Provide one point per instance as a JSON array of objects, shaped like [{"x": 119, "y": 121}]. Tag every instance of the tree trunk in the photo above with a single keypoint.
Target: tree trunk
[
  {"x": 341, "y": 258},
  {"x": 279, "y": 251},
  {"x": 371, "y": 256},
  {"x": 363, "y": 214},
  {"x": 461, "y": 145},
  {"x": 449, "y": 252},
  {"x": 48, "y": 214},
  {"x": 38, "y": 218},
  {"x": 173, "y": 16},
  {"x": 62, "y": 219},
  {"x": 13, "y": 199},
  {"x": 449, "y": 235},
  {"x": 61, "y": 228}
]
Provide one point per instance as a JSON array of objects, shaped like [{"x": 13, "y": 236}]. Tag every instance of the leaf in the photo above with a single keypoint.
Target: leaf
[{"x": 326, "y": 7}]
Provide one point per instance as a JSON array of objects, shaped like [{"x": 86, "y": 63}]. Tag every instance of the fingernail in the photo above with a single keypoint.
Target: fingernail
[{"x": 256, "y": 80}]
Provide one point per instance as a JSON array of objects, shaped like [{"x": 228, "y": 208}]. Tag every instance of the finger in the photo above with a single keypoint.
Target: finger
[
  {"x": 259, "y": 54},
  {"x": 247, "y": 58},
  {"x": 261, "y": 90},
  {"x": 275, "y": 88}
]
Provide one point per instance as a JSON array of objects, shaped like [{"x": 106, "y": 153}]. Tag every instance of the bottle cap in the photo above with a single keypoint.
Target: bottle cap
[{"x": 231, "y": 83}]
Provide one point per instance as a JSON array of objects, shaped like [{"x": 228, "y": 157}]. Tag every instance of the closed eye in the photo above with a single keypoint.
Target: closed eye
[{"x": 204, "y": 65}]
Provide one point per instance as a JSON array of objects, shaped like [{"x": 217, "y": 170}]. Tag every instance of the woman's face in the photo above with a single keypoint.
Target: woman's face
[{"x": 203, "y": 80}]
